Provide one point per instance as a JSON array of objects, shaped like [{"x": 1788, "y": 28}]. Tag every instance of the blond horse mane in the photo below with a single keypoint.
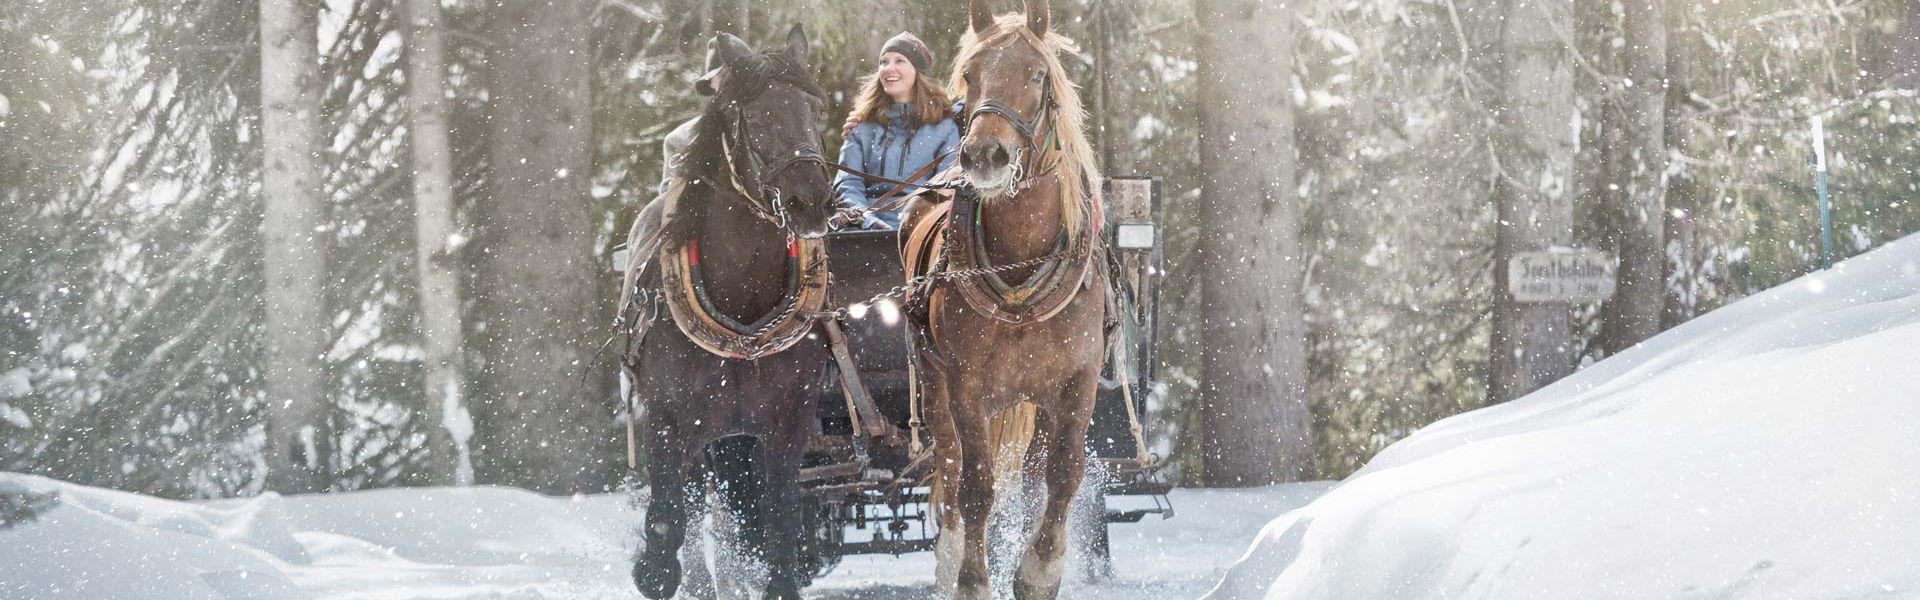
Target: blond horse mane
[{"x": 1075, "y": 158}]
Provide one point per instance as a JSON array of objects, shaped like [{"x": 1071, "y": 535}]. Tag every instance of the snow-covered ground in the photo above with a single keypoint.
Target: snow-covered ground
[
  {"x": 494, "y": 543},
  {"x": 1770, "y": 449}
]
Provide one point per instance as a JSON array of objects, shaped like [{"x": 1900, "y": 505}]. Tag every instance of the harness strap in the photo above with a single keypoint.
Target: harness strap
[
  {"x": 867, "y": 420},
  {"x": 899, "y": 184},
  {"x": 882, "y": 204},
  {"x": 1133, "y": 414}
]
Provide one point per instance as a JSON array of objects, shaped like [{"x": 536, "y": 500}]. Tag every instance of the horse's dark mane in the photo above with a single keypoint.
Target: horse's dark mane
[{"x": 705, "y": 167}]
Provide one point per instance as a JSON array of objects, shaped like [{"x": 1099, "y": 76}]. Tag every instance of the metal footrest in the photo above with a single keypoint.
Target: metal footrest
[{"x": 1139, "y": 485}]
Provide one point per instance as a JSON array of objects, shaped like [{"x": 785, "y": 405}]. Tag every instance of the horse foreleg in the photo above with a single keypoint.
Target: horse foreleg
[
  {"x": 974, "y": 496},
  {"x": 780, "y": 511},
  {"x": 949, "y": 548},
  {"x": 1063, "y": 432},
  {"x": 656, "y": 571}
]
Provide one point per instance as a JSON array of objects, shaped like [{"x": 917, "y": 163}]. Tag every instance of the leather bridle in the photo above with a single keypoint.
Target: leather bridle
[
  {"x": 748, "y": 175},
  {"x": 1029, "y": 135}
]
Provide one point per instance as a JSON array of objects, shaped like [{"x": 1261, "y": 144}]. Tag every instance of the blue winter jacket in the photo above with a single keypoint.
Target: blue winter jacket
[{"x": 894, "y": 149}]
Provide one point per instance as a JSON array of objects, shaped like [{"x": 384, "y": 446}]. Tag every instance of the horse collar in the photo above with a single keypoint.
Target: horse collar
[{"x": 1045, "y": 293}]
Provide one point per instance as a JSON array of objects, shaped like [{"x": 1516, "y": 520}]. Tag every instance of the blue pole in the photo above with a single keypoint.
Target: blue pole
[
  {"x": 1826, "y": 220},
  {"x": 1820, "y": 188}
]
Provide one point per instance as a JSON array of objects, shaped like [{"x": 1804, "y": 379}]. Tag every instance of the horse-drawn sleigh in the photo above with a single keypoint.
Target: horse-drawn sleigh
[{"x": 835, "y": 394}]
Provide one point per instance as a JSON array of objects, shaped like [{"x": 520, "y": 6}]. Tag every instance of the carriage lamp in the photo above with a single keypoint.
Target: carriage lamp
[
  {"x": 1134, "y": 236},
  {"x": 619, "y": 264}
]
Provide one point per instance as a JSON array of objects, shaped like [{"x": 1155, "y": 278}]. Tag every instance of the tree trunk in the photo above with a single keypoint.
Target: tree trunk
[
  {"x": 1110, "y": 136},
  {"x": 299, "y": 442},
  {"x": 1534, "y": 143},
  {"x": 435, "y": 247},
  {"x": 1685, "y": 279},
  {"x": 1633, "y": 314},
  {"x": 536, "y": 286},
  {"x": 729, "y": 16},
  {"x": 1906, "y": 50},
  {"x": 1253, "y": 385}
]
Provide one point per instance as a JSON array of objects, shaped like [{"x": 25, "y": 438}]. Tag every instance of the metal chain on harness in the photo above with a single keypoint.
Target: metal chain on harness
[
  {"x": 900, "y": 291},
  {"x": 914, "y": 423},
  {"x": 762, "y": 349}
]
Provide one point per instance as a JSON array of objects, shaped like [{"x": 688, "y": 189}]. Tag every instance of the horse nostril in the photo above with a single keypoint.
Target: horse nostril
[
  {"x": 984, "y": 155},
  {"x": 970, "y": 156}
]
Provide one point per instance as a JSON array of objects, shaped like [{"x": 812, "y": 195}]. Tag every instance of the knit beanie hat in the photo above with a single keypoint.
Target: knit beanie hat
[{"x": 911, "y": 47}]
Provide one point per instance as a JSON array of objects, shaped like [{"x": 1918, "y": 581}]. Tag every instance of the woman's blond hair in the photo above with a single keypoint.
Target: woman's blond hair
[{"x": 930, "y": 100}]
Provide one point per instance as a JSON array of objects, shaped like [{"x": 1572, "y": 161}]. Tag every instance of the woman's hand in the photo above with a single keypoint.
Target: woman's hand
[{"x": 846, "y": 129}]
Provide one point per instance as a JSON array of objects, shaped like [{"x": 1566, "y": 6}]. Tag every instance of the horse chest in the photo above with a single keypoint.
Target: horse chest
[{"x": 1046, "y": 350}]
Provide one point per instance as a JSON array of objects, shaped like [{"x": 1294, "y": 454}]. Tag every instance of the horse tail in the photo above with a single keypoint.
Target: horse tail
[
  {"x": 1009, "y": 433},
  {"x": 736, "y": 477}
]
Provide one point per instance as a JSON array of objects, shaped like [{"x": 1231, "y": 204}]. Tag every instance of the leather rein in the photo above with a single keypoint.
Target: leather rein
[{"x": 1023, "y": 176}]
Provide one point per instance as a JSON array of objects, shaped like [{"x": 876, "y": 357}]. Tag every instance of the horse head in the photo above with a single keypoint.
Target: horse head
[
  {"x": 769, "y": 107},
  {"x": 1009, "y": 75}
]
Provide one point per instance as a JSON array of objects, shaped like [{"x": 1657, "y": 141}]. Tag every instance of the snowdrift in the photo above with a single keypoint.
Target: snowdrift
[
  {"x": 493, "y": 544},
  {"x": 1769, "y": 449},
  {"x": 420, "y": 543}
]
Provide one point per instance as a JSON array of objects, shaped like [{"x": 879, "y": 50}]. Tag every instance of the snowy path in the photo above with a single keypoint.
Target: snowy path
[
  {"x": 496, "y": 543},
  {"x": 1155, "y": 559}
]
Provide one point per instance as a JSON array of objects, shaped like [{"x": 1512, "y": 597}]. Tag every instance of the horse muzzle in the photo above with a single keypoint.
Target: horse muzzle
[{"x": 989, "y": 166}]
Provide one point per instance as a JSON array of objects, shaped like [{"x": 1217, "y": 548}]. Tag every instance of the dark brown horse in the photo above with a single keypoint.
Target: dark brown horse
[
  {"x": 730, "y": 382},
  {"x": 1025, "y": 336}
]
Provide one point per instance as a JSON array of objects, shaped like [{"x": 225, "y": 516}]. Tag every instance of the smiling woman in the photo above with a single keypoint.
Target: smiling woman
[{"x": 899, "y": 128}]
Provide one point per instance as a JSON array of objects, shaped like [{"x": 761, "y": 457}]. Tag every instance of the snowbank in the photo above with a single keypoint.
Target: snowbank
[
  {"x": 493, "y": 543},
  {"x": 419, "y": 543},
  {"x": 1769, "y": 449}
]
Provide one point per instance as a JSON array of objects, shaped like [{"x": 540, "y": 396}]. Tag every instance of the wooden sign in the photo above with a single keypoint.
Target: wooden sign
[{"x": 1562, "y": 275}]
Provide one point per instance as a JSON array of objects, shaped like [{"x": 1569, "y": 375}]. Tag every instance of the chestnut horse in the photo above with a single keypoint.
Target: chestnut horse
[{"x": 1016, "y": 319}]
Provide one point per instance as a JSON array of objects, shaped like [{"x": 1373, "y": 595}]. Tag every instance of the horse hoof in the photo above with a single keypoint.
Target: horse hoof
[
  {"x": 974, "y": 592},
  {"x": 657, "y": 579},
  {"x": 776, "y": 591},
  {"x": 1027, "y": 591}
]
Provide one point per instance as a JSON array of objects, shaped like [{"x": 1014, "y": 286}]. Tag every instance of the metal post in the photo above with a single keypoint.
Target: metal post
[{"x": 1820, "y": 188}]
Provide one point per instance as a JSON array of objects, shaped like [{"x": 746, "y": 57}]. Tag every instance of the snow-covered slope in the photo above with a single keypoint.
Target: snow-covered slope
[
  {"x": 419, "y": 543},
  {"x": 1770, "y": 449},
  {"x": 492, "y": 543}
]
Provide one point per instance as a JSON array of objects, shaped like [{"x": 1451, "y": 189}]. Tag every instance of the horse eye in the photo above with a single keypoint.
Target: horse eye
[{"x": 1039, "y": 76}]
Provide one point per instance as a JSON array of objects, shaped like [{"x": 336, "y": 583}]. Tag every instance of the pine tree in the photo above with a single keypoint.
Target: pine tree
[
  {"x": 436, "y": 246},
  {"x": 1640, "y": 185},
  {"x": 1906, "y": 50},
  {"x": 537, "y": 295},
  {"x": 299, "y": 442},
  {"x": 1253, "y": 386},
  {"x": 1533, "y": 145}
]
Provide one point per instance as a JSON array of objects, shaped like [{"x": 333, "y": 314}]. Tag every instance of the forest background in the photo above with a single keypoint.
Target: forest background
[{"x": 155, "y": 242}]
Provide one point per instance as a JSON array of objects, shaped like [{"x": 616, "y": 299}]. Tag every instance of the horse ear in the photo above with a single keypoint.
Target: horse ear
[
  {"x": 797, "y": 42},
  {"x": 723, "y": 53},
  {"x": 981, "y": 16},
  {"x": 724, "y": 50},
  {"x": 1038, "y": 13}
]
